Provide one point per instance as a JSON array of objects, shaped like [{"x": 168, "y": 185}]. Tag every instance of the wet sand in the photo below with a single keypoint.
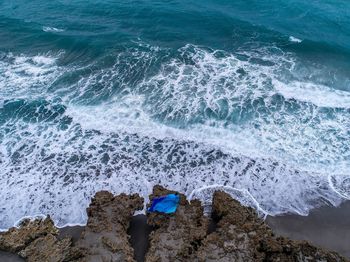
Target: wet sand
[
  {"x": 8, "y": 257},
  {"x": 327, "y": 227}
]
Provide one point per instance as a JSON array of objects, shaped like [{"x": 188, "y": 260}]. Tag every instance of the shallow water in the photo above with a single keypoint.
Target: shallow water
[{"x": 252, "y": 97}]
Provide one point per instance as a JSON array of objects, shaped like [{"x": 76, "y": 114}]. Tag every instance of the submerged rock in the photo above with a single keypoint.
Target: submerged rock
[{"x": 105, "y": 236}]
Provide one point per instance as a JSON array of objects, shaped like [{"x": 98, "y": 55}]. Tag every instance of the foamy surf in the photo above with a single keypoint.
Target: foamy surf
[
  {"x": 21, "y": 74},
  {"x": 319, "y": 95},
  {"x": 295, "y": 40},
  {"x": 195, "y": 121},
  {"x": 52, "y": 29},
  {"x": 71, "y": 169}
]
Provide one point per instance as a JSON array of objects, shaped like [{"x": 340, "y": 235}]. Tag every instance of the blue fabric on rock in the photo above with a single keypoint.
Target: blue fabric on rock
[{"x": 165, "y": 204}]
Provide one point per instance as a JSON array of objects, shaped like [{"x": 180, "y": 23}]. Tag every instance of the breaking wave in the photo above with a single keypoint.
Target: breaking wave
[{"x": 249, "y": 122}]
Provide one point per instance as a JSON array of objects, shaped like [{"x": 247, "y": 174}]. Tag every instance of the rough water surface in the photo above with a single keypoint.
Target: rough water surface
[{"x": 252, "y": 98}]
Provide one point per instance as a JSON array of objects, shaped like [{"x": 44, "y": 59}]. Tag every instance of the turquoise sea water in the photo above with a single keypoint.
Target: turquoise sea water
[{"x": 252, "y": 97}]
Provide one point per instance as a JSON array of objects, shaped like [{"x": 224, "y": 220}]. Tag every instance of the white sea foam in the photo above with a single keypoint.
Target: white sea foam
[
  {"x": 204, "y": 120},
  {"x": 319, "y": 95},
  {"x": 294, "y": 39},
  {"x": 238, "y": 99},
  {"x": 66, "y": 167},
  {"x": 294, "y": 142},
  {"x": 204, "y": 194},
  {"x": 52, "y": 29},
  {"x": 23, "y": 75}
]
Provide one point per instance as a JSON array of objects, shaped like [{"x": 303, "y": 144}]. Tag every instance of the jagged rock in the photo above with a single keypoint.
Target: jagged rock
[
  {"x": 49, "y": 248},
  {"x": 283, "y": 249},
  {"x": 176, "y": 236},
  {"x": 16, "y": 239},
  {"x": 239, "y": 236},
  {"x": 36, "y": 240},
  {"x": 242, "y": 236},
  {"x": 105, "y": 236}
]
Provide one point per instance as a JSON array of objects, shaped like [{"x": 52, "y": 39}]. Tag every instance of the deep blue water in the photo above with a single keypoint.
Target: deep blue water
[{"x": 248, "y": 96}]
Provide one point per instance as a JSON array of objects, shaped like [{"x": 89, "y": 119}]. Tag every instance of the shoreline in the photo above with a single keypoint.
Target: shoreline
[
  {"x": 325, "y": 227},
  {"x": 293, "y": 226},
  {"x": 344, "y": 204}
]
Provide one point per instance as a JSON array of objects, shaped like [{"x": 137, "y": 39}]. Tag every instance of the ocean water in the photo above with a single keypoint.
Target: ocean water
[{"x": 251, "y": 97}]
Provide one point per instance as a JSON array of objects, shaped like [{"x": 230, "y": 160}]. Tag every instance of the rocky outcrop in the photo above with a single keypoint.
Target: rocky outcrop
[
  {"x": 16, "y": 239},
  {"x": 105, "y": 236},
  {"x": 240, "y": 235},
  {"x": 49, "y": 248},
  {"x": 177, "y": 236},
  {"x": 237, "y": 235},
  {"x": 37, "y": 241}
]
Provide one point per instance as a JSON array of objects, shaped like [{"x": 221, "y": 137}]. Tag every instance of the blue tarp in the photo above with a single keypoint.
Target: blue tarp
[{"x": 165, "y": 204}]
